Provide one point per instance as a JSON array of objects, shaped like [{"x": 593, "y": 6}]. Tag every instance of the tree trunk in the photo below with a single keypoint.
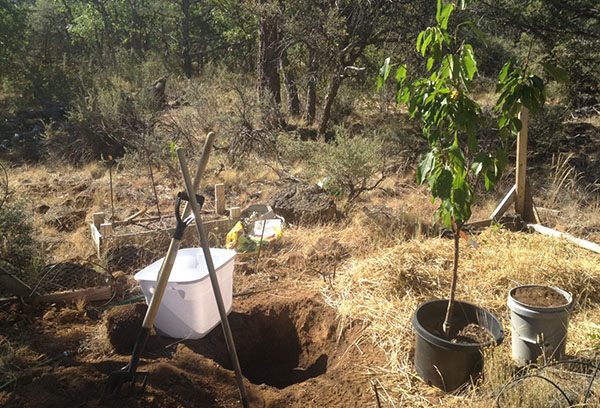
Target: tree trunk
[
  {"x": 290, "y": 85},
  {"x": 268, "y": 61},
  {"x": 448, "y": 320},
  {"x": 185, "y": 37},
  {"x": 334, "y": 86},
  {"x": 311, "y": 93}
]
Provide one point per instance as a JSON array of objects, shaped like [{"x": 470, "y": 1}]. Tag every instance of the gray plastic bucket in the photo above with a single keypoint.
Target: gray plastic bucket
[{"x": 536, "y": 330}]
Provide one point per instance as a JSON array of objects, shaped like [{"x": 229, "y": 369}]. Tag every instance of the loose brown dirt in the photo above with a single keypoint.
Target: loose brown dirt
[
  {"x": 122, "y": 326},
  {"x": 473, "y": 334},
  {"x": 293, "y": 349},
  {"x": 541, "y": 296}
]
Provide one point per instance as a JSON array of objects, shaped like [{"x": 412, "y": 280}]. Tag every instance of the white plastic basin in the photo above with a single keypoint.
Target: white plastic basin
[{"x": 188, "y": 309}]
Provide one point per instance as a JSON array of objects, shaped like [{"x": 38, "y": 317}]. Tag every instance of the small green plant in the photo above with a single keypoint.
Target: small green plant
[
  {"x": 595, "y": 337},
  {"x": 173, "y": 151},
  {"x": 450, "y": 117}
]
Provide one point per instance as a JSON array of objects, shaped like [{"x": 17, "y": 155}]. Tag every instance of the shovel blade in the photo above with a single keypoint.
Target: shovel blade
[{"x": 118, "y": 379}]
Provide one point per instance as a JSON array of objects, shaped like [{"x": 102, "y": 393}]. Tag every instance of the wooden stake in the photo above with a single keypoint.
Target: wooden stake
[
  {"x": 504, "y": 204},
  {"x": 98, "y": 219},
  {"x": 112, "y": 201},
  {"x": 134, "y": 216},
  {"x": 90, "y": 295},
  {"x": 235, "y": 213},
  {"x": 521, "y": 171},
  {"x": 220, "y": 198},
  {"x": 96, "y": 239},
  {"x": 106, "y": 229}
]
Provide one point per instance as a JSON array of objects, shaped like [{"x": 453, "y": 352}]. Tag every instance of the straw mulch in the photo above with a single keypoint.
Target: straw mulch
[{"x": 384, "y": 289}]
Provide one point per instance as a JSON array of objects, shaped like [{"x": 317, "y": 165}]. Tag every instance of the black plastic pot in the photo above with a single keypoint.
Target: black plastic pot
[{"x": 440, "y": 362}]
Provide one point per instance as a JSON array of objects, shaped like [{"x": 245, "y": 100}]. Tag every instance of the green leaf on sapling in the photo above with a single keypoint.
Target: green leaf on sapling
[
  {"x": 384, "y": 72},
  {"x": 481, "y": 163},
  {"x": 425, "y": 167},
  {"x": 401, "y": 73},
  {"x": 470, "y": 65},
  {"x": 445, "y": 16},
  {"x": 442, "y": 184},
  {"x": 426, "y": 43},
  {"x": 456, "y": 157},
  {"x": 504, "y": 71},
  {"x": 559, "y": 74},
  {"x": 419, "y": 40},
  {"x": 477, "y": 32}
]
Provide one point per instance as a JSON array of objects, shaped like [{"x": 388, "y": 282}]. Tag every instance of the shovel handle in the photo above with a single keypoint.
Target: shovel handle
[
  {"x": 208, "y": 144},
  {"x": 213, "y": 278}
]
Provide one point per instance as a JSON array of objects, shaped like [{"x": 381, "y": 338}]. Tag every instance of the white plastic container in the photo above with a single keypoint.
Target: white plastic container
[{"x": 188, "y": 309}]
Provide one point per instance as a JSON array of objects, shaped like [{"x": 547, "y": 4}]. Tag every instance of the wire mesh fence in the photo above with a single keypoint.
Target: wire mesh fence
[
  {"x": 69, "y": 275},
  {"x": 138, "y": 245}
]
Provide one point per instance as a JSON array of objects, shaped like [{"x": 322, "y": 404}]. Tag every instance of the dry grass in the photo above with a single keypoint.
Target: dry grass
[
  {"x": 576, "y": 205},
  {"x": 384, "y": 288}
]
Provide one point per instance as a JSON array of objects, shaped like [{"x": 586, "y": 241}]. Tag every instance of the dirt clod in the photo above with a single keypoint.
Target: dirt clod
[
  {"x": 473, "y": 334},
  {"x": 67, "y": 316},
  {"x": 123, "y": 324}
]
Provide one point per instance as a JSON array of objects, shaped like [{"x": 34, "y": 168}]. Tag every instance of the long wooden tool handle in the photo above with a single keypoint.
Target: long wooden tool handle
[
  {"x": 161, "y": 284},
  {"x": 213, "y": 278},
  {"x": 210, "y": 140}
]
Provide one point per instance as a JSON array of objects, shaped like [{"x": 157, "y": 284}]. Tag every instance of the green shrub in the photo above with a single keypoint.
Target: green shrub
[
  {"x": 104, "y": 121},
  {"x": 352, "y": 165}
]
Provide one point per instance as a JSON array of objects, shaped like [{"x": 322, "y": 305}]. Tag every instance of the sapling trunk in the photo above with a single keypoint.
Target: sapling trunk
[{"x": 447, "y": 321}]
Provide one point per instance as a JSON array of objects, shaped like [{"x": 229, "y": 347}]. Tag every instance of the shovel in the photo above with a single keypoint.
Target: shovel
[{"x": 129, "y": 373}]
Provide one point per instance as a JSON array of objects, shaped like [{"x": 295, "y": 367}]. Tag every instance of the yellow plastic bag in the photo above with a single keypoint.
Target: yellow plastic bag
[
  {"x": 231, "y": 241},
  {"x": 237, "y": 239}
]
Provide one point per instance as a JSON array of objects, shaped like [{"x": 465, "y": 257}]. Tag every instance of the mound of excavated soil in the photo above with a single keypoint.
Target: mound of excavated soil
[
  {"x": 302, "y": 203},
  {"x": 123, "y": 324}
]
